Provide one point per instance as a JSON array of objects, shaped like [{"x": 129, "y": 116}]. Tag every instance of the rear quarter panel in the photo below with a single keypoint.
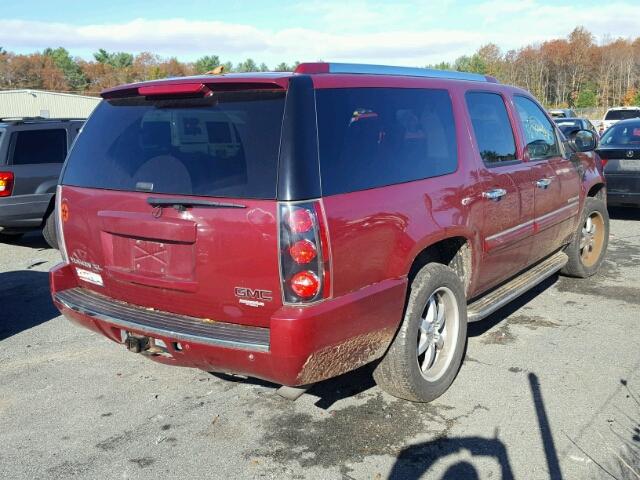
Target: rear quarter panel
[{"x": 376, "y": 234}]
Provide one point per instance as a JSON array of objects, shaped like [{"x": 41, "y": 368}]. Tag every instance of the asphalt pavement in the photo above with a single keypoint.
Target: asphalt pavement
[{"x": 550, "y": 388}]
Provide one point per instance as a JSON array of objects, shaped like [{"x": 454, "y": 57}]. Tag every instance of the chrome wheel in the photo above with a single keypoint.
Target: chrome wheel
[
  {"x": 437, "y": 334},
  {"x": 592, "y": 239}
]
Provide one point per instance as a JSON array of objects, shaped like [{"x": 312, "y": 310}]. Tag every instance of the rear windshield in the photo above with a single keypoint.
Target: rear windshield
[
  {"x": 622, "y": 114},
  {"x": 622, "y": 135},
  {"x": 225, "y": 145},
  {"x": 372, "y": 137}
]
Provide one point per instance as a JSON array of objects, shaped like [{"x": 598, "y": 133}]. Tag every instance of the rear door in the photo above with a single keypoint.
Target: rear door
[
  {"x": 554, "y": 178},
  {"x": 170, "y": 203},
  {"x": 507, "y": 194},
  {"x": 35, "y": 155}
]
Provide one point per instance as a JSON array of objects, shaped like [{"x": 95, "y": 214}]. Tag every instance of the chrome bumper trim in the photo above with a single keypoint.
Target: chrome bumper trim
[{"x": 163, "y": 324}]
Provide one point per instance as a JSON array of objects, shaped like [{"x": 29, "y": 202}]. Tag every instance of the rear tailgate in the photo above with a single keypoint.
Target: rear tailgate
[
  {"x": 622, "y": 169},
  {"x": 204, "y": 262},
  {"x": 212, "y": 251}
]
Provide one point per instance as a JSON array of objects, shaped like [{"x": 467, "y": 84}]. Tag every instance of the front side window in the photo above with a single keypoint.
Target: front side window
[
  {"x": 540, "y": 135},
  {"x": 372, "y": 137},
  {"x": 491, "y": 126},
  {"x": 38, "y": 146}
]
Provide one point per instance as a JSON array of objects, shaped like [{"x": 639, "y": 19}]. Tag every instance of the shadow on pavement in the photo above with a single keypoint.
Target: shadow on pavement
[
  {"x": 25, "y": 301},
  {"x": 624, "y": 213},
  {"x": 415, "y": 461}
]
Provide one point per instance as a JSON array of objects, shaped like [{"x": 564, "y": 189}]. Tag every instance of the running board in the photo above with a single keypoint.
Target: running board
[{"x": 498, "y": 298}]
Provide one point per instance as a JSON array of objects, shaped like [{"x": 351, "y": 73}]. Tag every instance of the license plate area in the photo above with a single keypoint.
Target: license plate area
[{"x": 156, "y": 259}]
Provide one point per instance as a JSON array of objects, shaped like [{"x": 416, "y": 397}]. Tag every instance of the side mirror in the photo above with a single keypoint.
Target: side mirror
[{"x": 583, "y": 141}]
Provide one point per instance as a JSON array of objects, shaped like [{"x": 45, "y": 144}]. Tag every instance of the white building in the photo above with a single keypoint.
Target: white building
[{"x": 40, "y": 103}]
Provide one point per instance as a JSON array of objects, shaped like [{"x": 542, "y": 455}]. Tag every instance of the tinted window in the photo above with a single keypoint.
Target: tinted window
[
  {"x": 225, "y": 145},
  {"x": 622, "y": 114},
  {"x": 539, "y": 133},
  {"x": 38, "y": 146},
  {"x": 371, "y": 137},
  {"x": 625, "y": 134},
  {"x": 491, "y": 126}
]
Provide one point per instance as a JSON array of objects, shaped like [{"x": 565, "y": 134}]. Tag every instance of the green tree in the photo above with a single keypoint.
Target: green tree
[
  {"x": 263, "y": 67},
  {"x": 283, "y": 67},
  {"x": 474, "y": 64},
  {"x": 206, "y": 63},
  {"x": 586, "y": 98},
  {"x": 115, "y": 59},
  {"x": 247, "y": 66},
  {"x": 441, "y": 66},
  {"x": 74, "y": 75}
]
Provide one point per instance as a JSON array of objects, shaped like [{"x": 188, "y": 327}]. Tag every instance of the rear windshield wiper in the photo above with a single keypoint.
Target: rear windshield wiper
[{"x": 181, "y": 204}]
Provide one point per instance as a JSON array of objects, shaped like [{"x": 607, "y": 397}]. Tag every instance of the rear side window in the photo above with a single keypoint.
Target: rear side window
[
  {"x": 38, "y": 146},
  {"x": 622, "y": 114},
  {"x": 225, "y": 145},
  {"x": 372, "y": 137},
  {"x": 491, "y": 127},
  {"x": 539, "y": 133}
]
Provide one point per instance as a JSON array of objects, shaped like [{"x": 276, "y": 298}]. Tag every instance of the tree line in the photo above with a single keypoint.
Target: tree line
[{"x": 568, "y": 72}]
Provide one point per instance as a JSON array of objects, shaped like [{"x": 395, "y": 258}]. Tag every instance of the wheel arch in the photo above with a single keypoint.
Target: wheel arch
[{"x": 455, "y": 251}]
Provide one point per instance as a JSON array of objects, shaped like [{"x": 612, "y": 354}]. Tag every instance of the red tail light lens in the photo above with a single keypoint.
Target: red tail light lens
[
  {"x": 305, "y": 284},
  {"x": 303, "y": 251},
  {"x": 6, "y": 184},
  {"x": 300, "y": 220},
  {"x": 604, "y": 161}
]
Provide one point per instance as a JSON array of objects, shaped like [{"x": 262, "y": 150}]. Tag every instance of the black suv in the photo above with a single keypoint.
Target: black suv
[{"x": 32, "y": 151}]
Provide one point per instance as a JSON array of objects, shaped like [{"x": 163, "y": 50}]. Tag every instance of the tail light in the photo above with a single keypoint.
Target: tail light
[
  {"x": 305, "y": 268},
  {"x": 59, "y": 230},
  {"x": 6, "y": 184}
]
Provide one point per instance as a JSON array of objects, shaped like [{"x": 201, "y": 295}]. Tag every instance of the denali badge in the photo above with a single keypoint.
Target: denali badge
[{"x": 253, "y": 298}]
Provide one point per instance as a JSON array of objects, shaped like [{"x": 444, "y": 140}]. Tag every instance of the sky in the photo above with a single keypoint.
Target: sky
[{"x": 410, "y": 32}]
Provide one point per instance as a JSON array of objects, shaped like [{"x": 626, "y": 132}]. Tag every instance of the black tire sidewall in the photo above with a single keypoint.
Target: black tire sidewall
[
  {"x": 49, "y": 231},
  {"x": 429, "y": 279},
  {"x": 575, "y": 267}
]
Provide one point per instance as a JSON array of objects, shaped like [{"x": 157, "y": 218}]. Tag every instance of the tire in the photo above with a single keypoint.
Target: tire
[
  {"x": 49, "y": 230},
  {"x": 590, "y": 242},
  {"x": 399, "y": 372}
]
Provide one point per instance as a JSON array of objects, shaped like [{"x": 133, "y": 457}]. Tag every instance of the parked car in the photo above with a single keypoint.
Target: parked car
[
  {"x": 616, "y": 114},
  {"x": 569, "y": 126},
  {"x": 296, "y": 226},
  {"x": 562, "y": 113},
  {"x": 32, "y": 151},
  {"x": 620, "y": 152}
]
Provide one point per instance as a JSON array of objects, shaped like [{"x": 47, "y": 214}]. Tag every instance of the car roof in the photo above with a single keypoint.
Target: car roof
[
  {"x": 281, "y": 79},
  {"x": 624, "y": 108},
  {"x": 564, "y": 119}
]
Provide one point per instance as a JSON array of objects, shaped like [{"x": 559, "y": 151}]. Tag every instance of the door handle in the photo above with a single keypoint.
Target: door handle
[
  {"x": 496, "y": 194},
  {"x": 543, "y": 183}
]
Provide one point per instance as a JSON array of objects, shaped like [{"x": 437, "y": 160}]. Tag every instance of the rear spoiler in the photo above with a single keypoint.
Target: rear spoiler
[{"x": 194, "y": 88}]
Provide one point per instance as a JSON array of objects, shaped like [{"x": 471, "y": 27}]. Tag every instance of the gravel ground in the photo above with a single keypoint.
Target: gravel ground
[{"x": 550, "y": 388}]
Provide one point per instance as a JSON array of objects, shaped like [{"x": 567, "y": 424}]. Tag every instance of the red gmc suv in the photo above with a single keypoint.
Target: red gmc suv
[{"x": 296, "y": 226}]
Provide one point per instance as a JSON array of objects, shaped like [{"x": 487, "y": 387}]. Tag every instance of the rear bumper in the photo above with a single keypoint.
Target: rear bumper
[
  {"x": 302, "y": 344},
  {"x": 623, "y": 188},
  {"x": 24, "y": 211}
]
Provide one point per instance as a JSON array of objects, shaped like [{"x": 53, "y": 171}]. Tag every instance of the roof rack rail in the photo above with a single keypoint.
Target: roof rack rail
[
  {"x": 324, "y": 67},
  {"x": 39, "y": 119}
]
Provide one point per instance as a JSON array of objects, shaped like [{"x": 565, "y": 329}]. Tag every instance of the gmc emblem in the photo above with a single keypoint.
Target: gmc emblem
[{"x": 251, "y": 294}]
